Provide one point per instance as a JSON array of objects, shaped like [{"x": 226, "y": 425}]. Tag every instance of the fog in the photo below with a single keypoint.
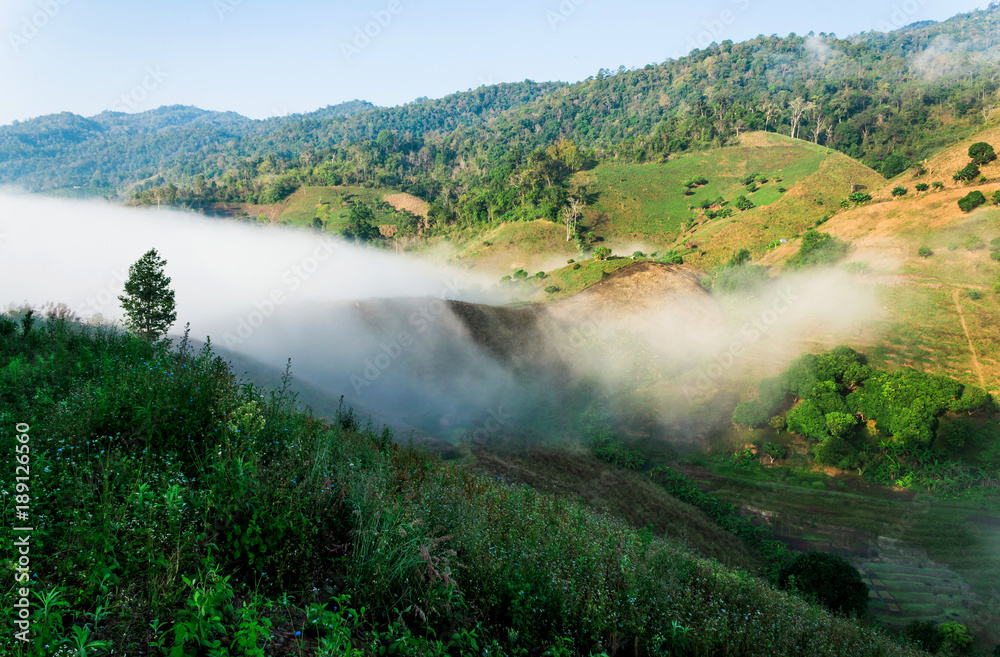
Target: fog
[{"x": 384, "y": 329}]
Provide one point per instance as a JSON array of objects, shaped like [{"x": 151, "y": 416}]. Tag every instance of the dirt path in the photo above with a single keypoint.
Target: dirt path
[{"x": 965, "y": 327}]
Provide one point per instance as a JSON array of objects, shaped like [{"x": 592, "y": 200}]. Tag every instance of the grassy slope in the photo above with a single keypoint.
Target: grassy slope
[
  {"x": 301, "y": 207},
  {"x": 153, "y": 466},
  {"x": 645, "y": 203}
]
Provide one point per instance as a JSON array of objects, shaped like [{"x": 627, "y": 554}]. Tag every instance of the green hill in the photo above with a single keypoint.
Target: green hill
[{"x": 185, "y": 513}]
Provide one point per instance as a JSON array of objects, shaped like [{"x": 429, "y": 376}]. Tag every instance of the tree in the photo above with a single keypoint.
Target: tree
[
  {"x": 982, "y": 153},
  {"x": 361, "y": 224},
  {"x": 899, "y": 191},
  {"x": 832, "y": 580},
  {"x": 602, "y": 253},
  {"x": 148, "y": 300},
  {"x": 971, "y": 201},
  {"x": 925, "y": 252},
  {"x": 571, "y": 214}
]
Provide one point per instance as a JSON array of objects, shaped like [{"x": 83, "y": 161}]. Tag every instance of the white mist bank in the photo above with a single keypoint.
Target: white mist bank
[
  {"x": 226, "y": 275},
  {"x": 273, "y": 294}
]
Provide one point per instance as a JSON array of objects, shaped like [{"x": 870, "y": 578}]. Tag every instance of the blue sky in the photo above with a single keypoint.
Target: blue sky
[{"x": 268, "y": 58}]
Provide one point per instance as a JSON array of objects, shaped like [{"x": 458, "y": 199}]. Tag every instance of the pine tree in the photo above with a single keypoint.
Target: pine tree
[{"x": 148, "y": 300}]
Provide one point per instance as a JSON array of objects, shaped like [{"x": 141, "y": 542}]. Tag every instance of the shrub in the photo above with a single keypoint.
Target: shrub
[
  {"x": 552, "y": 289},
  {"x": 925, "y": 252},
  {"x": 973, "y": 242},
  {"x": 922, "y": 187},
  {"x": 602, "y": 253},
  {"x": 859, "y": 197},
  {"x": 743, "y": 203},
  {"x": 995, "y": 256},
  {"x": 776, "y": 450},
  {"x": 937, "y": 184},
  {"x": 957, "y": 639},
  {"x": 971, "y": 201},
  {"x": 818, "y": 249},
  {"x": 520, "y": 274},
  {"x": 967, "y": 174},
  {"x": 899, "y": 191},
  {"x": 982, "y": 153},
  {"x": 540, "y": 275},
  {"x": 925, "y": 634},
  {"x": 995, "y": 198},
  {"x": 995, "y": 244},
  {"x": 830, "y": 579},
  {"x": 750, "y": 414}
]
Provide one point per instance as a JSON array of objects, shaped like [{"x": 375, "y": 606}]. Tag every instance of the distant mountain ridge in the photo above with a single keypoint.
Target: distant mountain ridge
[{"x": 886, "y": 99}]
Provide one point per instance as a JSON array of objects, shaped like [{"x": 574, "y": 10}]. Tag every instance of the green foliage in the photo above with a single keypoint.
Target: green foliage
[
  {"x": 925, "y": 252},
  {"x": 520, "y": 274},
  {"x": 361, "y": 224},
  {"x": 921, "y": 187},
  {"x": 899, "y": 190},
  {"x": 925, "y": 634},
  {"x": 225, "y": 533},
  {"x": 819, "y": 249},
  {"x": 552, "y": 289},
  {"x": 859, "y": 197},
  {"x": 775, "y": 553},
  {"x": 995, "y": 256},
  {"x": 743, "y": 203},
  {"x": 982, "y": 153},
  {"x": 776, "y": 450},
  {"x": 831, "y": 579},
  {"x": 147, "y": 300},
  {"x": 602, "y": 253},
  {"x": 973, "y": 242},
  {"x": 967, "y": 174},
  {"x": 974, "y": 295},
  {"x": 957, "y": 638},
  {"x": 937, "y": 184},
  {"x": 857, "y": 267},
  {"x": 750, "y": 414}
]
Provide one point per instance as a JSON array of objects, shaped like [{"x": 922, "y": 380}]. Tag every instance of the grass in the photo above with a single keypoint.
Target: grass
[
  {"x": 303, "y": 206},
  {"x": 645, "y": 203},
  {"x": 178, "y": 511}
]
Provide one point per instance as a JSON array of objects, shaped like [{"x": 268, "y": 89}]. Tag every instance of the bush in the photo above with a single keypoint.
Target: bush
[
  {"x": 973, "y": 242},
  {"x": 924, "y": 634},
  {"x": 830, "y": 579},
  {"x": 975, "y": 295},
  {"x": 818, "y": 249},
  {"x": 995, "y": 198},
  {"x": 971, "y": 201},
  {"x": 859, "y": 197},
  {"x": 520, "y": 274},
  {"x": 967, "y": 174},
  {"x": 937, "y": 184},
  {"x": 743, "y": 203},
  {"x": 742, "y": 278},
  {"x": 750, "y": 414},
  {"x": 775, "y": 450},
  {"x": 602, "y": 253},
  {"x": 925, "y": 252},
  {"x": 922, "y": 187},
  {"x": 982, "y": 153},
  {"x": 899, "y": 191},
  {"x": 552, "y": 289}
]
